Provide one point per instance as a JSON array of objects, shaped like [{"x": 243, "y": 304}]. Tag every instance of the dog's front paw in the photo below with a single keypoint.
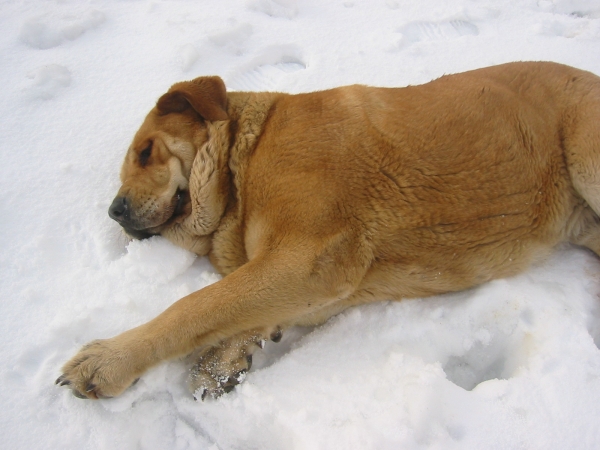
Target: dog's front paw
[{"x": 101, "y": 369}]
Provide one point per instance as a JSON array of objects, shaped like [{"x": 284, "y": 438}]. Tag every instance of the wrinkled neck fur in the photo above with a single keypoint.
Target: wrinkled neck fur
[{"x": 248, "y": 112}]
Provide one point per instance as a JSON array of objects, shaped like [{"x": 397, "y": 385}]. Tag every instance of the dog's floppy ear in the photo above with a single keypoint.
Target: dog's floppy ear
[{"x": 207, "y": 95}]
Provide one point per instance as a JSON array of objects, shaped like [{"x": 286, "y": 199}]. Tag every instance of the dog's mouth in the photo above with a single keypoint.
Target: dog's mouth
[
  {"x": 176, "y": 205},
  {"x": 181, "y": 196},
  {"x": 182, "y": 203},
  {"x": 181, "y": 207}
]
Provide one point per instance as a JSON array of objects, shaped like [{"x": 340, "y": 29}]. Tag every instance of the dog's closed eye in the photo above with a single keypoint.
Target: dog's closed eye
[{"x": 145, "y": 155}]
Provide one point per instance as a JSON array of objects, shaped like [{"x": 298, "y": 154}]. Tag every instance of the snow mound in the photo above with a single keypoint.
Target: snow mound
[{"x": 155, "y": 259}]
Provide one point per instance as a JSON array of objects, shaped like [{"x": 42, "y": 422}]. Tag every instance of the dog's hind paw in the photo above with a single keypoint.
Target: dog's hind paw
[{"x": 218, "y": 370}]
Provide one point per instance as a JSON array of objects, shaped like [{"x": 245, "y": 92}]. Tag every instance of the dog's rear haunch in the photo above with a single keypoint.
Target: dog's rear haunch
[{"x": 309, "y": 204}]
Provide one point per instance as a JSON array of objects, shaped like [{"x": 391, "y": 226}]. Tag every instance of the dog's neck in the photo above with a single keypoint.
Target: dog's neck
[
  {"x": 217, "y": 180},
  {"x": 248, "y": 112}
]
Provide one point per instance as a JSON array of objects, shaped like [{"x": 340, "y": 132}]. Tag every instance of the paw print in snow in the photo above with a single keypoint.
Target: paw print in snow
[
  {"x": 574, "y": 8},
  {"x": 287, "y": 9},
  {"x": 48, "y": 81},
  {"x": 50, "y": 31},
  {"x": 233, "y": 40},
  {"x": 434, "y": 31},
  {"x": 269, "y": 69}
]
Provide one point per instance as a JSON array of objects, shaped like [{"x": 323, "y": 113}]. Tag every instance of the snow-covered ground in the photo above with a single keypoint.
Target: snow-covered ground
[{"x": 513, "y": 364}]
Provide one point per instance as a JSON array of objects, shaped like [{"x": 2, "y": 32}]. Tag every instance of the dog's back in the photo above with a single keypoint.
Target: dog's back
[{"x": 467, "y": 178}]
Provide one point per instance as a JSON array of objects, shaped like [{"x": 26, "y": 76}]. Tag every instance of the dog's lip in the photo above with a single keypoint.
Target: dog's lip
[
  {"x": 137, "y": 234},
  {"x": 180, "y": 201}
]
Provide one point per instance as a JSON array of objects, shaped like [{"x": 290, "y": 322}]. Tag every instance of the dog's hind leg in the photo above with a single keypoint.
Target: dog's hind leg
[
  {"x": 581, "y": 145},
  {"x": 585, "y": 229},
  {"x": 581, "y": 142}
]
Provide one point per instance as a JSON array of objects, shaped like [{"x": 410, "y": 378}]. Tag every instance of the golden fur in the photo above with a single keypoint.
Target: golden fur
[{"x": 312, "y": 203}]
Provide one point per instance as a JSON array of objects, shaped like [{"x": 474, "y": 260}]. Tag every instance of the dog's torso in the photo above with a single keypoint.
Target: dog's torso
[{"x": 446, "y": 185}]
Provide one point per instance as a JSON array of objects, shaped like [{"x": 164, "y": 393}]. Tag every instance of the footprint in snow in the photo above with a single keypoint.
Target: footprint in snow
[
  {"x": 482, "y": 362},
  {"x": 188, "y": 55},
  {"x": 576, "y": 8},
  {"x": 433, "y": 31},
  {"x": 268, "y": 70},
  {"x": 491, "y": 353},
  {"x": 48, "y": 81},
  {"x": 50, "y": 31},
  {"x": 287, "y": 9},
  {"x": 233, "y": 40},
  {"x": 569, "y": 27}
]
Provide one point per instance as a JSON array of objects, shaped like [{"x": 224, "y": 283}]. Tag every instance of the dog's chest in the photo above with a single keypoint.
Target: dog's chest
[{"x": 228, "y": 252}]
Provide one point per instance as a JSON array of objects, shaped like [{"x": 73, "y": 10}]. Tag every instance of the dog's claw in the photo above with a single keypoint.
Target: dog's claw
[
  {"x": 62, "y": 381},
  {"x": 237, "y": 378},
  {"x": 79, "y": 394},
  {"x": 276, "y": 335},
  {"x": 249, "y": 361},
  {"x": 90, "y": 387}
]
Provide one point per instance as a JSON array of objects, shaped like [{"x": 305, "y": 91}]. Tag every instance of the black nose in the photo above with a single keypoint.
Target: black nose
[{"x": 119, "y": 210}]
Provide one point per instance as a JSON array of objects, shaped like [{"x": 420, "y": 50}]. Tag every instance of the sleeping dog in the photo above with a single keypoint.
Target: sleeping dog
[{"x": 312, "y": 203}]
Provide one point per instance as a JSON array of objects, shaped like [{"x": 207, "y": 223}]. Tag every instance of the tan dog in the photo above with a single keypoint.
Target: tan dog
[{"x": 312, "y": 203}]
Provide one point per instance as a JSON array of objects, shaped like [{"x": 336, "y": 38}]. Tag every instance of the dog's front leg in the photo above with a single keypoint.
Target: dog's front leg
[{"x": 266, "y": 291}]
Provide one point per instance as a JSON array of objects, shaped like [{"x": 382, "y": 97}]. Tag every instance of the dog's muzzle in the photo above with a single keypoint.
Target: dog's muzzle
[{"x": 120, "y": 210}]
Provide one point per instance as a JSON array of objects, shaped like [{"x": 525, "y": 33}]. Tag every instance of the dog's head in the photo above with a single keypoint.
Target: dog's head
[{"x": 156, "y": 171}]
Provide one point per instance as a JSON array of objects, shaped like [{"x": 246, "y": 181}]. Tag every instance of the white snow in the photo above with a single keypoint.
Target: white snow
[{"x": 513, "y": 364}]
